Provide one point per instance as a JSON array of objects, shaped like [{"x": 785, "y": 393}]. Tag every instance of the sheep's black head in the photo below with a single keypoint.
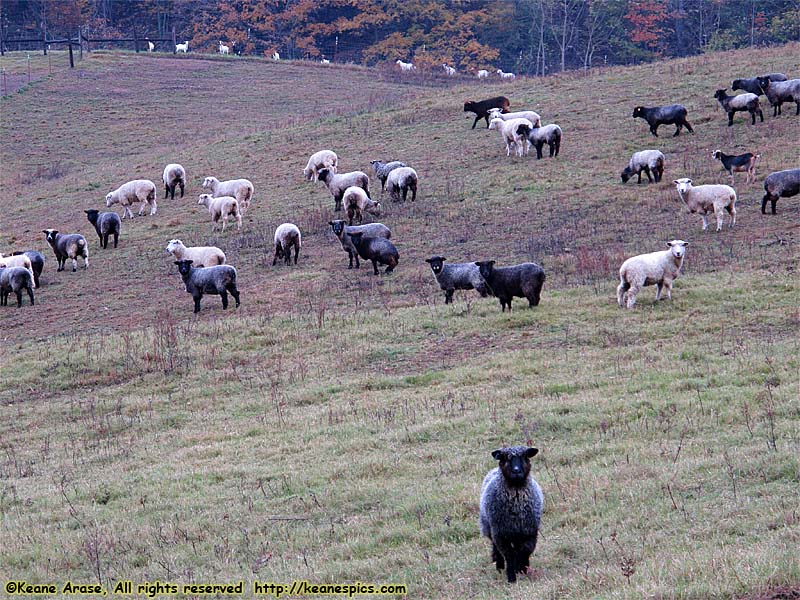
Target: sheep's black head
[
  {"x": 356, "y": 238},
  {"x": 184, "y": 266},
  {"x": 719, "y": 94},
  {"x": 486, "y": 267},
  {"x": 626, "y": 174},
  {"x": 638, "y": 112},
  {"x": 50, "y": 235},
  {"x": 337, "y": 226},
  {"x": 763, "y": 82},
  {"x": 468, "y": 106},
  {"x": 92, "y": 216},
  {"x": 436, "y": 263},
  {"x": 515, "y": 463},
  {"x": 324, "y": 175}
]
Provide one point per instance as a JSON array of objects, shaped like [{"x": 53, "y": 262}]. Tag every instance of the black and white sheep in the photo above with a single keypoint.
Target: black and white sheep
[
  {"x": 550, "y": 135},
  {"x": 674, "y": 114},
  {"x": 37, "y": 262},
  {"x": 649, "y": 161},
  {"x": 343, "y": 232},
  {"x": 751, "y": 85},
  {"x": 138, "y": 190},
  {"x": 704, "y": 199},
  {"x": 105, "y": 224},
  {"x": 778, "y": 92},
  {"x": 481, "y": 107},
  {"x": 376, "y": 249},
  {"x": 337, "y": 183},
  {"x": 456, "y": 276},
  {"x": 382, "y": 169},
  {"x": 174, "y": 175},
  {"x": 780, "y": 184},
  {"x": 514, "y": 133},
  {"x": 524, "y": 280},
  {"x": 400, "y": 181},
  {"x": 15, "y": 279},
  {"x": 68, "y": 245},
  {"x": 656, "y": 268},
  {"x": 511, "y": 510},
  {"x": 287, "y": 236},
  {"x": 739, "y": 163},
  {"x": 324, "y": 159},
  {"x": 743, "y": 102},
  {"x": 217, "y": 281}
]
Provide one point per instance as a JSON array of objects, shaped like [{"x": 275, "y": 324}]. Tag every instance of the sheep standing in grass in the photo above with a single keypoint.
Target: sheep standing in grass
[
  {"x": 217, "y": 281},
  {"x": 514, "y": 133},
  {"x": 223, "y": 49},
  {"x": 150, "y": 45},
  {"x": 174, "y": 175},
  {"x": 37, "y": 263},
  {"x": 659, "y": 268},
  {"x": 704, "y": 199},
  {"x": 105, "y": 224},
  {"x": 503, "y": 75},
  {"x": 524, "y": 280},
  {"x": 511, "y": 510},
  {"x": 357, "y": 203},
  {"x": 68, "y": 245},
  {"x": 138, "y": 190},
  {"x": 778, "y": 92},
  {"x": 382, "y": 170},
  {"x": 456, "y": 276},
  {"x": 482, "y": 107},
  {"x": 550, "y": 135},
  {"x": 20, "y": 260},
  {"x": 740, "y": 163},
  {"x": 751, "y": 85},
  {"x": 532, "y": 116},
  {"x": 378, "y": 250},
  {"x": 15, "y": 279},
  {"x": 404, "y": 66},
  {"x": 449, "y": 70},
  {"x": 324, "y": 159},
  {"x": 337, "y": 183},
  {"x": 287, "y": 236},
  {"x": 483, "y": 74},
  {"x": 184, "y": 47},
  {"x": 276, "y": 56},
  {"x": 780, "y": 184},
  {"x": 674, "y": 114},
  {"x": 241, "y": 189},
  {"x": 742, "y": 102},
  {"x": 343, "y": 232},
  {"x": 649, "y": 161},
  {"x": 221, "y": 208},
  {"x": 400, "y": 181},
  {"x": 202, "y": 256}
]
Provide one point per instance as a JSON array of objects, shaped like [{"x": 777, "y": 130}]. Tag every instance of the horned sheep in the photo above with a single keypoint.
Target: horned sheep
[
  {"x": 780, "y": 184},
  {"x": 68, "y": 245},
  {"x": 287, "y": 236},
  {"x": 217, "y": 281},
  {"x": 201, "y": 256},
  {"x": 659, "y": 268},
  {"x": 704, "y": 199},
  {"x": 400, "y": 181},
  {"x": 649, "y": 161},
  {"x": 221, "y": 208},
  {"x": 241, "y": 189},
  {"x": 337, "y": 183},
  {"x": 324, "y": 159},
  {"x": 456, "y": 276},
  {"x": 138, "y": 190},
  {"x": 343, "y": 232}
]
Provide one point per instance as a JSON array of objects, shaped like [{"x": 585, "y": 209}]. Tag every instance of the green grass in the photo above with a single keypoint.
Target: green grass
[{"x": 338, "y": 425}]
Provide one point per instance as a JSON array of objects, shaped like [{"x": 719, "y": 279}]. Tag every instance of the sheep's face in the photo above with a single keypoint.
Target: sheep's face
[
  {"x": 763, "y": 82},
  {"x": 677, "y": 248},
  {"x": 337, "y": 226},
  {"x": 50, "y": 235},
  {"x": 184, "y": 266},
  {"x": 436, "y": 263},
  {"x": 515, "y": 463},
  {"x": 323, "y": 175},
  {"x": 308, "y": 174},
  {"x": 716, "y": 154},
  {"x": 684, "y": 185},
  {"x": 91, "y": 215},
  {"x": 626, "y": 174},
  {"x": 495, "y": 123},
  {"x": 638, "y": 112},
  {"x": 468, "y": 106},
  {"x": 208, "y": 182},
  {"x": 173, "y": 245},
  {"x": 486, "y": 267},
  {"x": 204, "y": 199},
  {"x": 372, "y": 207},
  {"x": 736, "y": 84},
  {"x": 109, "y": 199}
]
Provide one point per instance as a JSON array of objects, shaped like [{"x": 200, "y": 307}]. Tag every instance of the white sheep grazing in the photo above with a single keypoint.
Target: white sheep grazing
[
  {"x": 18, "y": 260},
  {"x": 201, "y": 256},
  {"x": 174, "y": 175},
  {"x": 223, "y": 49},
  {"x": 138, "y": 190},
  {"x": 504, "y": 75},
  {"x": 356, "y": 202},
  {"x": 404, "y": 66},
  {"x": 324, "y": 159},
  {"x": 483, "y": 74},
  {"x": 184, "y": 47},
  {"x": 221, "y": 207},
  {"x": 659, "y": 268},
  {"x": 449, "y": 70},
  {"x": 276, "y": 56},
  {"x": 514, "y": 133},
  {"x": 241, "y": 189},
  {"x": 708, "y": 198},
  {"x": 532, "y": 116},
  {"x": 287, "y": 236},
  {"x": 325, "y": 61},
  {"x": 150, "y": 45}
]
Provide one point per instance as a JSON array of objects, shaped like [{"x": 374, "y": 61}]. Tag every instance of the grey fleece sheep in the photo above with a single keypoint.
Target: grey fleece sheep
[
  {"x": 511, "y": 510},
  {"x": 338, "y": 182},
  {"x": 287, "y": 236},
  {"x": 400, "y": 181},
  {"x": 105, "y": 224},
  {"x": 778, "y": 92},
  {"x": 751, "y": 85},
  {"x": 174, "y": 175},
  {"x": 37, "y": 262},
  {"x": 780, "y": 184},
  {"x": 674, "y": 114},
  {"x": 649, "y": 161},
  {"x": 743, "y": 102},
  {"x": 382, "y": 170},
  {"x": 524, "y": 281},
  {"x": 343, "y": 232},
  {"x": 218, "y": 280},
  {"x": 378, "y": 250},
  {"x": 456, "y": 276},
  {"x": 550, "y": 135},
  {"x": 68, "y": 245},
  {"x": 15, "y": 279}
]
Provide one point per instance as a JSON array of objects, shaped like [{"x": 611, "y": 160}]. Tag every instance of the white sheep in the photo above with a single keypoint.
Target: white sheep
[
  {"x": 659, "y": 268},
  {"x": 184, "y": 47},
  {"x": 276, "y": 56},
  {"x": 337, "y": 183},
  {"x": 287, "y": 236},
  {"x": 18, "y": 260},
  {"x": 448, "y": 69},
  {"x": 514, "y": 133},
  {"x": 241, "y": 189},
  {"x": 708, "y": 198},
  {"x": 357, "y": 202},
  {"x": 400, "y": 181},
  {"x": 150, "y": 45},
  {"x": 649, "y": 161},
  {"x": 325, "y": 61},
  {"x": 221, "y": 207},
  {"x": 138, "y": 190},
  {"x": 483, "y": 74},
  {"x": 504, "y": 75},
  {"x": 223, "y": 49},
  {"x": 404, "y": 66},
  {"x": 174, "y": 175},
  {"x": 202, "y": 256},
  {"x": 324, "y": 159},
  {"x": 532, "y": 116}
]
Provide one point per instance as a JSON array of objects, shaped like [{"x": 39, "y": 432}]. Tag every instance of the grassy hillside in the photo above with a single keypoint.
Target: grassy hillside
[{"x": 338, "y": 425}]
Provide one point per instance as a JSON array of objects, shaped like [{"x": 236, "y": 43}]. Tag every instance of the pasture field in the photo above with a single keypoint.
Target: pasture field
[{"x": 337, "y": 426}]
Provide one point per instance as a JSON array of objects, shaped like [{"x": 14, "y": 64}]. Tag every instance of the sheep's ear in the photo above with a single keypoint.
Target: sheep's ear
[
  {"x": 428, "y": 260},
  {"x": 669, "y": 244},
  {"x": 531, "y": 452},
  {"x": 675, "y": 181},
  {"x": 491, "y": 263},
  {"x": 177, "y": 262},
  {"x": 685, "y": 243},
  {"x": 498, "y": 454}
]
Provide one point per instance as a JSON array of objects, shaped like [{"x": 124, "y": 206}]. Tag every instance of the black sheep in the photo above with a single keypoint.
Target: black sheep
[
  {"x": 674, "y": 114},
  {"x": 105, "y": 224},
  {"x": 523, "y": 281},
  {"x": 481, "y": 108},
  {"x": 217, "y": 280},
  {"x": 376, "y": 249},
  {"x": 751, "y": 85}
]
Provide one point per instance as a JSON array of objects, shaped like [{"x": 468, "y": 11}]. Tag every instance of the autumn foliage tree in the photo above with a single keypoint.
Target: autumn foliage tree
[{"x": 648, "y": 19}]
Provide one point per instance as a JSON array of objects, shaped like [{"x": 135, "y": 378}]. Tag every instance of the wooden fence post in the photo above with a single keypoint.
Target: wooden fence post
[
  {"x": 44, "y": 42},
  {"x": 71, "y": 59},
  {"x": 80, "y": 44},
  {"x": 174, "y": 49},
  {"x": 88, "y": 45},
  {"x": 135, "y": 41}
]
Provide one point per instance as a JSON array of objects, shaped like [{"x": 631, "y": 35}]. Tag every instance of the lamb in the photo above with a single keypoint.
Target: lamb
[
  {"x": 343, "y": 233},
  {"x": 20, "y": 260},
  {"x": 37, "y": 263},
  {"x": 780, "y": 184},
  {"x": 325, "y": 61},
  {"x": 708, "y": 198},
  {"x": 778, "y": 92},
  {"x": 483, "y": 74},
  {"x": 404, "y": 66},
  {"x": 481, "y": 108},
  {"x": 223, "y": 49},
  {"x": 68, "y": 245},
  {"x": 659, "y": 268},
  {"x": 504, "y": 75},
  {"x": 201, "y": 256},
  {"x": 382, "y": 170},
  {"x": 524, "y": 280},
  {"x": 324, "y": 159},
  {"x": 449, "y": 70},
  {"x": 532, "y": 116},
  {"x": 287, "y": 236},
  {"x": 664, "y": 115},
  {"x": 150, "y": 45},
  {"x": 550, "y": 135},
  {"x": 241, "y": 189},
  {"x": 742, "y": 102},
  {"x": 338, "y": 182},
  {"x": 184, "y": 47},
  {"x": 514, "y": 133},
  {"x": 138, "y": 190},
  {"x": 751, "y": 85},
  {"x": 511, "y": 510},
  {"x": 742, "y": 162},
  {"x": 174, "y": 175},
  {"x": 400, "y": 181},
  {"x": 276, "y": 56},
  {"x": 456, "y": 276},
  {"x": 15, "y": 279},
  {"x": 217, "y": 281},
  {"x": 105, "y": 224},
  {"x": 647, "y": 161},
  {"x": 221, "y": 208},
  {"x": 357, "y": 203},
  {"x": 376, "y": 249}
]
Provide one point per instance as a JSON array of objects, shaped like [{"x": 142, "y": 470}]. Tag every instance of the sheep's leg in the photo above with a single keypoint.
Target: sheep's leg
[
  {"x": 659, "y": 286},
  {"x": 774, "y": 204},
  {"x": 730, "y": 118},
  {"x": 166, "y": 192},
  {"x": 278, "y": 253},
  {"x": 350, "y": 255},
  {"x": 182, "y": 186},
  {"x": 678, "y": 127},
  {"x": 296, "y": 252},
  {"x": 141, "y": 207},
  {"x": 75, "y": 264},
  {"x": 116, "y": 238},
  {"x": 375, "y": 266},
  {"x": 448, "y": 296},
  {"x": 654, "y": 130},
  {"x": 224, "y": 295},
  {"x": 197, "y": 303},
  {"x": 688, "y": 126},
  {"x": 539, "y": 147},
  {"x": 705, "y": 222},
  {"x": 631, "y": 295},
  {"x": 413, "y": 193},
  {"x": 553, "y": 149},
  {"x": 647, "y": 172},
  {"x": 19, "y": 298},
  {"x": 3, "y": 298},
  {"x": 30, "y": 295},
  {"x": 235, "y": 293},
  {"x": 477, "y": 118},
  {"x": 154, "y": 207},
  {"x": 497, "y": 558},
  {"x": 732, "y": 212},
  {"x": 719, "y": 217},
  {"x": 621, "y": 289},
  {"x": 668, "y": 287},
  {"x": 104, "y": 241},
  {"x": 238, "y": 221}
]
